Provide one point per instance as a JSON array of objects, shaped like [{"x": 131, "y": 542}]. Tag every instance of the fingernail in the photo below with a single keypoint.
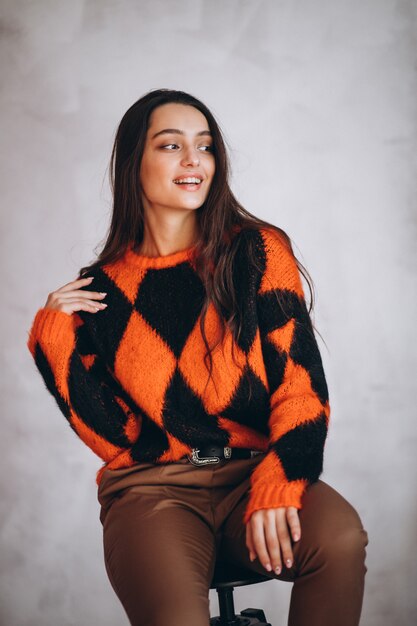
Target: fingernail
[
  {"x": 278, "y": 569},
  {"x": 288, "y": 562},
  {"x": 296, "y": 537},
  {"x": 268, "y": 567},
  {"x": 103, "y": 293}
]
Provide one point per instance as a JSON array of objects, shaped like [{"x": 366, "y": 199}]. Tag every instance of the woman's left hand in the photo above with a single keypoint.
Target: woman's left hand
[{"x": 267, "y": 535}]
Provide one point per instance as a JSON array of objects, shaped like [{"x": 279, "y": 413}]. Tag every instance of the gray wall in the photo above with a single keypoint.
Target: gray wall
[{"x": 318, "y": 104}]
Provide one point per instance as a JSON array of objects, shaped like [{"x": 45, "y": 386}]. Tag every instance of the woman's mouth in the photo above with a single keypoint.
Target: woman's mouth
[{"x": 190, "y": 183}]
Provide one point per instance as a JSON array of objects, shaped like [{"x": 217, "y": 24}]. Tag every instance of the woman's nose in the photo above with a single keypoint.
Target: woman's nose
[{"x": 191, "y": 157}]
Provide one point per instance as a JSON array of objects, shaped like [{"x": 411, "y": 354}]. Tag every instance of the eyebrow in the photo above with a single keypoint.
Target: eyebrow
[{"x": 177, "y": 131}]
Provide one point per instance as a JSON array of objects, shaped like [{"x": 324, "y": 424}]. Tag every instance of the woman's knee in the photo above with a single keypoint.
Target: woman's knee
[
  {"x": 334, "y": 525},
  {"x": 347, "y": 544}
]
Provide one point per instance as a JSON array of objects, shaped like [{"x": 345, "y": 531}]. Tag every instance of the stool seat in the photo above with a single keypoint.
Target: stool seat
[
  {"x": 226, "y": 576},
  {"x": 232, "y": 575}
]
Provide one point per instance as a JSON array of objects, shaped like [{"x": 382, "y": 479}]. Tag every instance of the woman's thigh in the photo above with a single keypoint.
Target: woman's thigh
[
  {"x": 159, "y": 556},
  {"x": 330, "y": 527}
]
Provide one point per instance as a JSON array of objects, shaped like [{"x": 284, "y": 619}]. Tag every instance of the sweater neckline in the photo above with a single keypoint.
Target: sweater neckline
[{"x": 161, "y": 261}]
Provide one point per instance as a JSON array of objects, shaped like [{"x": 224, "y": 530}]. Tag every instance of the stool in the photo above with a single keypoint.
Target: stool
[{"x": 226, "y": 576}]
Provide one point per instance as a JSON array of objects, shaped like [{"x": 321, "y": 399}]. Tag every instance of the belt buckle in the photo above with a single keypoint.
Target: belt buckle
[{"x": 205, "y": 460}]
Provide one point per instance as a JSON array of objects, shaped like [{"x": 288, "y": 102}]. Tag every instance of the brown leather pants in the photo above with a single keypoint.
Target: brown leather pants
[{"x": 162, "y": 526}]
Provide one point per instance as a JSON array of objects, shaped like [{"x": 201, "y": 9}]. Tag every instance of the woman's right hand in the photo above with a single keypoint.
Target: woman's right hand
[{"x": 70, "y": 298}]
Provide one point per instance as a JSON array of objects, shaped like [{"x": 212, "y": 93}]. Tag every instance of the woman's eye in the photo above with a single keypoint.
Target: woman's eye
[{"x": 207, "y": 148}]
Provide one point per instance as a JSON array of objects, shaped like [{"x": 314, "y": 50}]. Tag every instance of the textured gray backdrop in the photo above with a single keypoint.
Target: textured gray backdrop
[{"x": 318, "y": 104}]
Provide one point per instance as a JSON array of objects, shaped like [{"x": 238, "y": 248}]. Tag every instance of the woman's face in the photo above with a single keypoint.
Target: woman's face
[{"x": 178, "y": 145}]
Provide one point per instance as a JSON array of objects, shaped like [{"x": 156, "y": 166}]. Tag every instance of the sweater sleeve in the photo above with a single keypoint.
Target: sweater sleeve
[
  {"x": 88, "y": 395},
  {"x": 299, "y": 403}
]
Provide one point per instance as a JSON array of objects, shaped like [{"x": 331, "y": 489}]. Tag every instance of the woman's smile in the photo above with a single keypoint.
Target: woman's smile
[{"x": 189, "y": 182}]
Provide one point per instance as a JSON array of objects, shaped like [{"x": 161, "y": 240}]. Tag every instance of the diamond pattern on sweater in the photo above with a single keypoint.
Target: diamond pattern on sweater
[
  {"x": 138, "y": 364},
  {"x": 152, "y": 443},
  {"x": 275, "y": 361},
  {"x": 185, "y": 417},
  {"x": 93, "y": 398},
  {"x": 299, "y": 450},
  {"x": 249, "y": 410},
  {"x": 305, "y": 352},
  {"x": 107, "y": 329},
  {"x": 170, "y": 300}
]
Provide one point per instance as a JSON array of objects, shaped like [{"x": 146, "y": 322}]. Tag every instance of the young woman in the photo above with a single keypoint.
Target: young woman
[{"x": 185, "y": 358}]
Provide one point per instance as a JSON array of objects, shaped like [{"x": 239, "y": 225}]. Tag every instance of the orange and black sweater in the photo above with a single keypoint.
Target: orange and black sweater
[{"x": 131, "y": 378}]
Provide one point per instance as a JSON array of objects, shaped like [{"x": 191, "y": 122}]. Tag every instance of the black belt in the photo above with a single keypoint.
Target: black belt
[{"x": 213, "y": 454}]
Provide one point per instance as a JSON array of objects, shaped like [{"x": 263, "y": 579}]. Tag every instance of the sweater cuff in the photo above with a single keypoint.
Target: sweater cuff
[
  {"x": 273, "y": 495},
  {"x": 47, "y": 326}
]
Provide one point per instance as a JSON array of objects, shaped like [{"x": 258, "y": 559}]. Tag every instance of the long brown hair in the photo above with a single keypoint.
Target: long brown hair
[{"x": 218, "y": 219}]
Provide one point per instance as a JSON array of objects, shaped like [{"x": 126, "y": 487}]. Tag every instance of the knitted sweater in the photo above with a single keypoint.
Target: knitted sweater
[{"x": 131, "y": 379}]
